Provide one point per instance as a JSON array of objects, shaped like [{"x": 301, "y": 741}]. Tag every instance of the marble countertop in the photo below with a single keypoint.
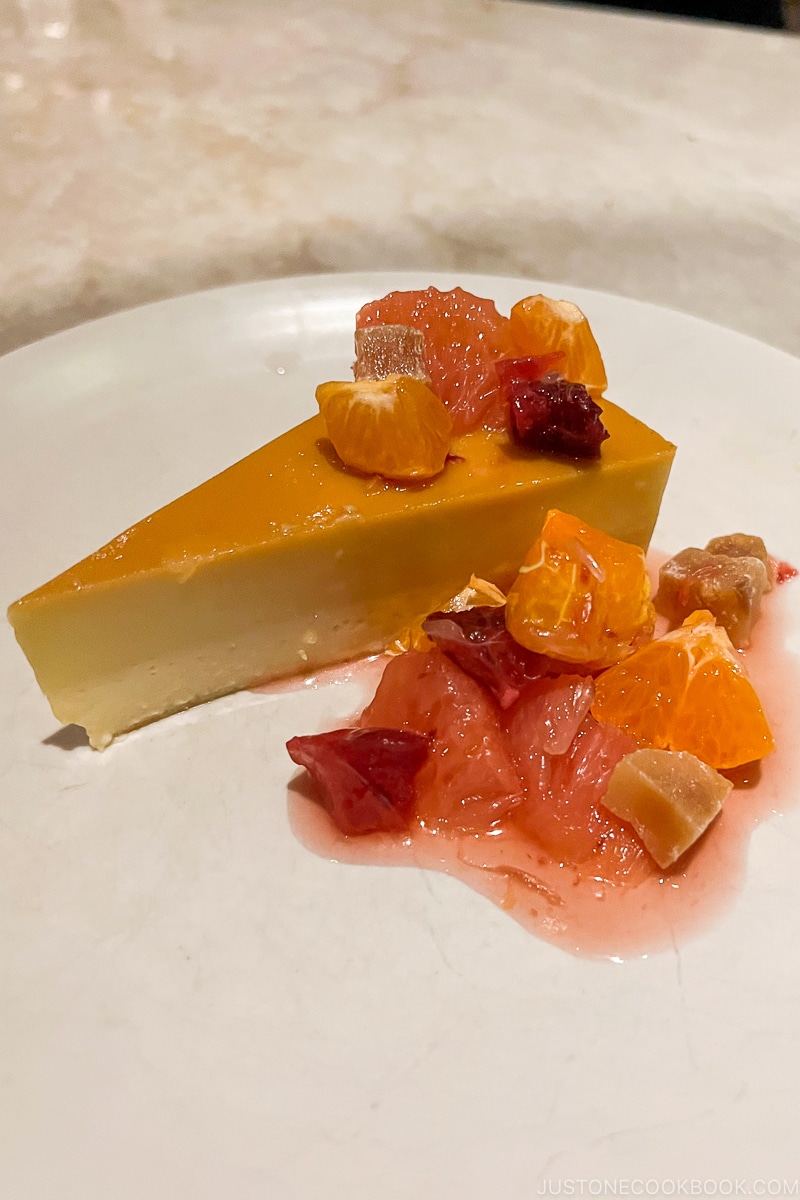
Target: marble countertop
[{"x": 153, "y": 147}]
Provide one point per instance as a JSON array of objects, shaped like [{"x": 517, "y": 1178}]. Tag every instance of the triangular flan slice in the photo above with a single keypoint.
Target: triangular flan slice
[{"x": 287, "y": 562}]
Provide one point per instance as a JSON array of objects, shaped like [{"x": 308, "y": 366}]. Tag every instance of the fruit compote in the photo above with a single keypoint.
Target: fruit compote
[
  {"x": 551, "y": 748},
  {"x": 509, "y": 799}
]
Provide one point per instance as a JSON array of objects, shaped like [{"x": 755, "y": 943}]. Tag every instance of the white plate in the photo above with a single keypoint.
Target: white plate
[{"x": 195, "y": 1006}]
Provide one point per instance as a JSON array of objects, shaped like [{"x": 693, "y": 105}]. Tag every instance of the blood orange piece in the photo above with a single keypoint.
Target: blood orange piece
[
  {"x": 478, "y": 641},
  {"x": 464, "y": 337},
  {"x": 365, "y": 776},
  {"x": 470, "y": 780}
]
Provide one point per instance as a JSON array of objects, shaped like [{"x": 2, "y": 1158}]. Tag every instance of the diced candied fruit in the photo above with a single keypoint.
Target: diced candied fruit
[
  {"x": 580, "y": 596},
  {"x": 470, "y": 781},
  {"x": 669, "y": 797},
  {"x": 687, "y": 691},
  {"x": 383, "y": 350},
  {"x": 394, "y": 427},
  {"x": 730, "y": 588},
  {"x": 477, "y": 641},
  {"x": 540, "y": 325},
  {"x": 365, "y": 776},
  {"x": 744, "y": 545},
  {"x": 551, "y": 415}
]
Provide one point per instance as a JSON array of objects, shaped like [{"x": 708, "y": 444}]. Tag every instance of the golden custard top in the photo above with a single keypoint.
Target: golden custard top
[{"x": 295, "y": 486}]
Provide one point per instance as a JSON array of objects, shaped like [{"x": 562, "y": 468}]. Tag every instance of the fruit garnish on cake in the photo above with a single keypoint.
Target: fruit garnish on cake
[
  {"x": 330, "y": 541},
  {"x": 560, "y": 741},
  {"x": 584, "y": 779}
]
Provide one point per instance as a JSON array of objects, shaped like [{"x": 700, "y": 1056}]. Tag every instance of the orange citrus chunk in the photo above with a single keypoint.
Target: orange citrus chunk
[
  {"x": 669, "y": 797},
  {"x": 394, "y": 427},
  {"x": 580, "y": 596},
  {"x": 687, "y": 691},
  {"x": 543, "y": 326}
]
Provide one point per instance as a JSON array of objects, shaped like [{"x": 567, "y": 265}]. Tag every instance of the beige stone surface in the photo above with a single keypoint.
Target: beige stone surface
[{"x": 153, "y": 147}]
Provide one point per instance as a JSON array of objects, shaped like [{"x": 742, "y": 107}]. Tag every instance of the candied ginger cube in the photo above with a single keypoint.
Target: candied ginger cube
[
  {"x": 730, "y": 588},
  {"x": 383, "y": 350},
  {"x": 744, "y": 545},
  {"x": 669, "y": 797}
]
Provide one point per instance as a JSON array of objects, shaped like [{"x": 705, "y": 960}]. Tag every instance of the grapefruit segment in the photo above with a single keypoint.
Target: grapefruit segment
[
  {"x": 470, "y": 780},
  {"x": 562, "y": 810}
]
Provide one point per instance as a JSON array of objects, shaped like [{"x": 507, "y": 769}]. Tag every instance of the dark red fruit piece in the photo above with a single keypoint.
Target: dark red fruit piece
[
  {"x": 550, "y": 414},
  {"x": 477, "y": 641},
  {"x": 365, "y": 776},
  {"x": 784, "y": 571}
]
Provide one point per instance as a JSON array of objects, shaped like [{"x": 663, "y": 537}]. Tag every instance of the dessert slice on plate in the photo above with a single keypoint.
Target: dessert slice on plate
[{"x": 289, "y": 561}]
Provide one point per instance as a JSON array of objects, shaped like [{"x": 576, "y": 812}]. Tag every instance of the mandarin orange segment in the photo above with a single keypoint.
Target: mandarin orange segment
[
  {"x": 687, "y": 691},
  {"x": 394, "y": 427},
  {"x": 540, "y": 325},
  {"x": 464, "y": 337},
  {"x": 580, "y": 596}
]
